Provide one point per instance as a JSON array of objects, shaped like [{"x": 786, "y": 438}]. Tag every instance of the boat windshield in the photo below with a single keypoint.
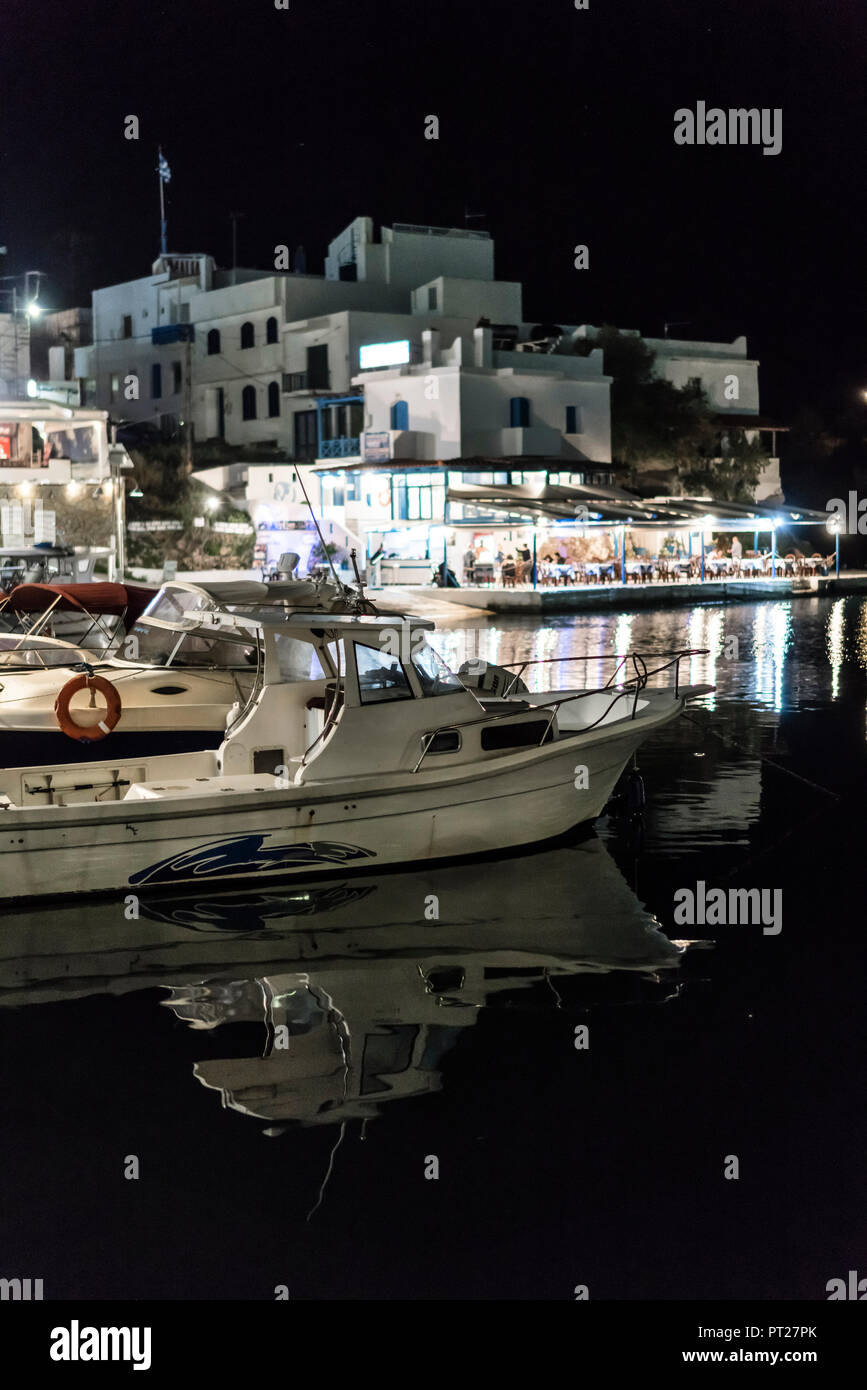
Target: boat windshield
[
  {"x": 434, "y": 676},
  {"x": 224, "y": 648},
  {"x": 172, "y": 605}
]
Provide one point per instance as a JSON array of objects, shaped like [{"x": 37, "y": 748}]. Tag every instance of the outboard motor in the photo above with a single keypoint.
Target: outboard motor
[
  {"x": 489, "y": 679},
  {"x": 288, "y": 564}
]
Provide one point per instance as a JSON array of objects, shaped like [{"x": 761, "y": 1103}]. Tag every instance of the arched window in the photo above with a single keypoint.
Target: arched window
[
  {"x": 400, "y": 416},
  {"x": 213, "y": 341},
  {"x": 273, "y": 398},
  {"x": 248, "y": 335},
  {"x": 248, "y": 403},
  {"x": 271, "y": 330},
  {"x": 519, "y": 412}
]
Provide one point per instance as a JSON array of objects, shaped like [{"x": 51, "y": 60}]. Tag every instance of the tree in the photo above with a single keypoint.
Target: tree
[
  {"x": 732, "y": 475},
  {"x": 653, "y": 422}
]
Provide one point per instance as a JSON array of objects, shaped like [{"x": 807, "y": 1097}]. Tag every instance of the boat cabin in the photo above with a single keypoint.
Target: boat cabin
[{"x": 347, "y": 695}]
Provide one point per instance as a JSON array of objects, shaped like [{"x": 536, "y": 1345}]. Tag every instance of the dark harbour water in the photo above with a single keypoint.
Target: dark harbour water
[{"x": 408, "y": 1038}]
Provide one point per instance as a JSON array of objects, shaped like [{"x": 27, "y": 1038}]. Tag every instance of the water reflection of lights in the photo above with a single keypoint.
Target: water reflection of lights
[
  {"x": 773, "y": 635},
  {"x": 713, "y": 640},
  {"x": 695, "y": 628},
  {"x": 834, "y": 639},
  {"x": 623, "y": 632}
]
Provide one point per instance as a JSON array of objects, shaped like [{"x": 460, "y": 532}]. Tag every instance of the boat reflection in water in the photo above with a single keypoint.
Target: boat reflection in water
[{"x": 361, "y": 988}]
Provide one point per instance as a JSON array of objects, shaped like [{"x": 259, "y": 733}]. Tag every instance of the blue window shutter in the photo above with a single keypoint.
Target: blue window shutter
[
  {"x": 400, "y": 416},
  {"x": 519, "y": 412},
  {"x": 571, "y": 420}
]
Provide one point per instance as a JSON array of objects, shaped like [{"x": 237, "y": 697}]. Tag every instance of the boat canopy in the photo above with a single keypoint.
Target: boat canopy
[{"x": 111, "y": 600}]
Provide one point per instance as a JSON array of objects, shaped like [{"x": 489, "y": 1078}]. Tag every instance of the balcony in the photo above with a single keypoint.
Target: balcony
[
  {"x": 345, "y": 446},
  {"x": 173, "y": 333},
  {"x": 306, "y": 381}
]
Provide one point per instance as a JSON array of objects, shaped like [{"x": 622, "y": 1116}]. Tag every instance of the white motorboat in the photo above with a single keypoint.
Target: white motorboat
[
  {"x": 356, "y": 748},
  {"x": 95, "y": 615},
  {"x": 176, "y": 682}
]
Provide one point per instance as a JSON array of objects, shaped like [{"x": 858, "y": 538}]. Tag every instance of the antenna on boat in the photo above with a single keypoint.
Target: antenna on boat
[
  {"x": 353, "y": 557},
  {"x": 319, "y": 530}
]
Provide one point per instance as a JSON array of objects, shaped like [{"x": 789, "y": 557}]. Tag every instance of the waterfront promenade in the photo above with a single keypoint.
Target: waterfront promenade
[{"x": 595, "y": 598}]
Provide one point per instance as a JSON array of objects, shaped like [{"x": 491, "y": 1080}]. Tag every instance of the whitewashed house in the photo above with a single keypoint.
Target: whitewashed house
[{"x": 730, "y": 381}]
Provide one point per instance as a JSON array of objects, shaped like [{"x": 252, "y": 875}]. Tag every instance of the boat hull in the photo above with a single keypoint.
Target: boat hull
[{"x": 129, "y": 846}]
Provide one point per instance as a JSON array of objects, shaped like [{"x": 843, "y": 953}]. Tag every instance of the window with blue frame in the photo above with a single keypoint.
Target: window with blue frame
[
  {"x": 519, "y": 412},
  {"x": 400, "y": 415},
  {"x": 418, "y": 496}
]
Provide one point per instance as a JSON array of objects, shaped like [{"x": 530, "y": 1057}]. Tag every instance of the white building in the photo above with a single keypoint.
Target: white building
[
  {"x": 60, "y": 484},
  {"x": 725, "y": 374},
  {"x": 467, "y": 399},
  {"x": 252, "y": 356}
]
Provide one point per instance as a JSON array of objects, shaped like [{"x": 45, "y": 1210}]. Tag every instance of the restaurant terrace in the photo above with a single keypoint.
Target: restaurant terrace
[{"x": 514, "y": 536}]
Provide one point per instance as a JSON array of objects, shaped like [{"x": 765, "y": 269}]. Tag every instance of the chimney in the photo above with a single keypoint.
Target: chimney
[
  {"x": 430, "y": 347},
  {"x": 483, "y": 352}
]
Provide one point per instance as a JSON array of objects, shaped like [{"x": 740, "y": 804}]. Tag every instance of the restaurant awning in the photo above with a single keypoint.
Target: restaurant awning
[{"x": 598, "y": 506}]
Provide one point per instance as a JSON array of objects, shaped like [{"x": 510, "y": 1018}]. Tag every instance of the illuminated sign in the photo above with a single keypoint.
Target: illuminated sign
[{"x": 383, "y": 354}]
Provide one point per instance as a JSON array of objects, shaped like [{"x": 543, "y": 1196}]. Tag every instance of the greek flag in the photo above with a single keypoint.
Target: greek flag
[{"x": 163, "y": 169}]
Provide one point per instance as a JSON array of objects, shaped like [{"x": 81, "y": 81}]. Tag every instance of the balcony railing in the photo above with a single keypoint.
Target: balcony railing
[
  {"x": 344, "y": 447},
  {"x": 306, "y": 381}
]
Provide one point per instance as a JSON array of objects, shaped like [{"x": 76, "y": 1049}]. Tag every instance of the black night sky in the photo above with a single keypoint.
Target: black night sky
[{"x": 555, "y": 123}]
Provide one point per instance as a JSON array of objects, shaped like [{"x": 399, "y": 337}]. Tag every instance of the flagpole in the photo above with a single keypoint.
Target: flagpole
[{"x": 163, "y": 246}]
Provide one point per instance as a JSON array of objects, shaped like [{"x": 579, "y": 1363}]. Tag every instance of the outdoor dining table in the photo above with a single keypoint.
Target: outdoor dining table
[
  {"x": 561, "y": 574},
  {"x": 639, "y": 569},
  {"x": 603, "y": 571}
]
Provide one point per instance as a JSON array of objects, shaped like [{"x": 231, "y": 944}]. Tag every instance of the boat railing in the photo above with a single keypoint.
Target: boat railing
[
  {"x": 633, "y": 684},
  {"x": 638, "y": 660}
]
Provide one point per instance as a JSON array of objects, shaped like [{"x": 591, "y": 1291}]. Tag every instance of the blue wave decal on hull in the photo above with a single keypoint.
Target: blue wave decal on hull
[{"x": 240, "y": 855}]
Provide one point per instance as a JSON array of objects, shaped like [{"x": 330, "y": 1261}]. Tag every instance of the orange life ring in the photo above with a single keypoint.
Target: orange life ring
[
  {"x": 384, "y": 497},
  {"x": 88, "y": 733}
]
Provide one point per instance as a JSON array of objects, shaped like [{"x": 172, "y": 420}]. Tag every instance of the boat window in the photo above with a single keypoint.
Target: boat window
[
  {"x": 446, "y": 741},
  {"x": 380, "y": 676},
  {"x": 297, "y": 660},
  {"x": 171, "y": 605},
  {"x": 160, "y": 647},
  {"x": 502, "y": 736},
  {"x": 434, "y": 676}
]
